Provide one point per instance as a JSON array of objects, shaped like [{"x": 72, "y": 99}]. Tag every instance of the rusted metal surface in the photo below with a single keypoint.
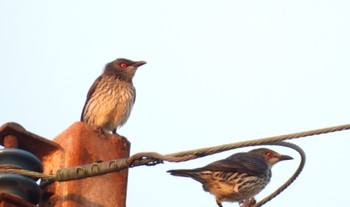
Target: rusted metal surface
[
  {"x": 84, "y": 144},
  {"x": 8, "y": 200},
  {"x": 28, "y": 141},
  {"x": 49, "y": 152},
  {"x": 10, "y": 141},
  {"x": 80, "y": 144}
]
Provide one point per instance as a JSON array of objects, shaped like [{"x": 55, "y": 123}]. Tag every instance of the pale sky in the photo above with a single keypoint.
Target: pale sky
[{"x": 218, "y": 72}]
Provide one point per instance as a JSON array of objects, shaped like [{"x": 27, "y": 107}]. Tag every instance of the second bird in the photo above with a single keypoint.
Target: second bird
[
  {"x": 112, "y": 95},
  {"x": 237, "y": 178}
]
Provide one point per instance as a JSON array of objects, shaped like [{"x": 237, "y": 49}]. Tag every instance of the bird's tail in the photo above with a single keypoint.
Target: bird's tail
[
  {"x": 194, "y": 174},
  {"x": 182, "y": 173}
]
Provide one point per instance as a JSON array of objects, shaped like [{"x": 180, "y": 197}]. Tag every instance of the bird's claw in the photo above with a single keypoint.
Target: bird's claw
[
  {"x": 101, "y": 132},
  {"x": 248, "y": 202}
]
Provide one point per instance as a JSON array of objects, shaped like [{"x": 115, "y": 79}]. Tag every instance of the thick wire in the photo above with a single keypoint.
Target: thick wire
[{"x": 152, "y": 158}]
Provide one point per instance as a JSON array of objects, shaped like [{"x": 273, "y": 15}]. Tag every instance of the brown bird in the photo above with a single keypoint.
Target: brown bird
[
  {"x": 237, "y": 178},
  {"x": 112, "y": 95}
]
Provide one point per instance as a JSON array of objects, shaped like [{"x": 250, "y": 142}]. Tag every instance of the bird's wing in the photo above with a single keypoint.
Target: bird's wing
[
  {"x": 89, "y": 94},
  {"x": 243, "y": 165}
]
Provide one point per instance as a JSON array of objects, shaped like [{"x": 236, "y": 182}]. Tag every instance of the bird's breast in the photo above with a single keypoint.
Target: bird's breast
[
  {"x": 235, "y": 186},
  {"x": 121, "y": 104},
  {"x": 111, "y": 103}
]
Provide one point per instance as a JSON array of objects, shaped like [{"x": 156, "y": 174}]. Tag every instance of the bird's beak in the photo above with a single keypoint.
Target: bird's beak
[
  {"x": 139, "y": 63},
  {"x": 285, "y": 157}
]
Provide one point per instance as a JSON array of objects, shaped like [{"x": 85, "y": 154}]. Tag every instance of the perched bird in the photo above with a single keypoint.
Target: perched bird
[
  {"x": 237, "y": 178},
  {"x": 112, "y": 95}
]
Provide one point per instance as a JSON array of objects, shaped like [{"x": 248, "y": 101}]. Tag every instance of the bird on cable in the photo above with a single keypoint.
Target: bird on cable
[
  {"x": 112, "y": 96},
  {"x": 237, "y": 178}
]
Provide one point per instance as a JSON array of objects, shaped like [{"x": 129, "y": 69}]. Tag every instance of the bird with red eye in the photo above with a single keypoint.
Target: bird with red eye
[
  {"x": 112, "y": 96},
  {"x": 237, "y": 178},
  {"x": 123, "y": 65},
  {"x": 269, "y": 154}
]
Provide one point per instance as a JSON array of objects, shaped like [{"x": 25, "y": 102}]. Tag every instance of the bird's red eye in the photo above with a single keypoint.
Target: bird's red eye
[
  {"x": 269, "y": 154},
  {"x": 123, "y": 65}
]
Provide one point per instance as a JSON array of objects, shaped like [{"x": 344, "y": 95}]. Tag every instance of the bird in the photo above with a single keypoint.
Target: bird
[
  {"x": 111, "y": 97},
  {"x": 238, "y": 178}
]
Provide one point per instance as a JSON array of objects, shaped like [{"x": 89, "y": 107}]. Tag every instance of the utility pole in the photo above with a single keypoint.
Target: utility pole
[{"x": 80, "y": 144}]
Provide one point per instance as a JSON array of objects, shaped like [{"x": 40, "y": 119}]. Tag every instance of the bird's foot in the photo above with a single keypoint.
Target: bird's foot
[
  {"x": 219, "y": 203},
  {"x": 114, "y": 132},
  {"x": 101, "y": 132},
  {"x": 248, "y": 202}
]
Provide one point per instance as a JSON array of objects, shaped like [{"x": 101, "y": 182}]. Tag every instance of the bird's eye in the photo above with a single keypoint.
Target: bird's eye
[
  {"x": 269, "y": 154},
  {"x": 123, "y": 65}
]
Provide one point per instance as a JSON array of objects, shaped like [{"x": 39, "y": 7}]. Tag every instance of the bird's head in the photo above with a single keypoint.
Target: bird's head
[
  {"x": 123, "y": 68},
  {"x": 269, "y": 156}
]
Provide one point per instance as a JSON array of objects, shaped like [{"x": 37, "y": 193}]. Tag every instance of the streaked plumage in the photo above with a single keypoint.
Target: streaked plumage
[
  {"x": 237, "y": 178},
  {"x": 112, "y": 95}
]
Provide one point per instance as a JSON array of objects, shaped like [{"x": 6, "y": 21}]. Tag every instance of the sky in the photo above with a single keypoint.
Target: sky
[{"x": 217, "y": 72}]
